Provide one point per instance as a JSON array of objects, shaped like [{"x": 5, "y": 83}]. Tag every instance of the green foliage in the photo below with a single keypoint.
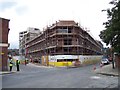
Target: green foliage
[{"x": 111, "y": 34}]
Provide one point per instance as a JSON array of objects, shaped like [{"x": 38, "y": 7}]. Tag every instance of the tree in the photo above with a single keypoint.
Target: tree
[{"x": 111, "y": 34}]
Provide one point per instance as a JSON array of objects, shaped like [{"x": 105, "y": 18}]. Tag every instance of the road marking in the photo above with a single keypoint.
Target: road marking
[{"x": 95, "y": 77}]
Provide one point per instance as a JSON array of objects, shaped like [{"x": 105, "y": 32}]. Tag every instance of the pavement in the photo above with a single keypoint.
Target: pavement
[
  {"x": 8, "y": 72},
  {"x": 104, "y": 70},
  {"x": 107, "y": 70}
]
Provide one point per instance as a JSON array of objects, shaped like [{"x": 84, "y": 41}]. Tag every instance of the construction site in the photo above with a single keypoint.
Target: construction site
[{"x": 63, "y": 41}]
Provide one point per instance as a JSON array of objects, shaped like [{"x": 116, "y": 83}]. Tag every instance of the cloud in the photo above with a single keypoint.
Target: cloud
[
  {"x": 14, "y": 45},
  {"x": 7, "y": 5},
  {"x": 21, "y": 10},
  {"x": 40, "y": 13}
]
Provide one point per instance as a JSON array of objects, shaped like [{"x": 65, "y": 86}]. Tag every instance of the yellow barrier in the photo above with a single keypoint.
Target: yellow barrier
[
  {"x": 57, "y": 64},
  {"x": 85, "y": 62}
]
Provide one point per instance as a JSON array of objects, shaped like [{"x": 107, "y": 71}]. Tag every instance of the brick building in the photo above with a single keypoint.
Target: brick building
[
  {"x": 4, "y": 30},
  {"x": 117, "y": 61},
  {"x": 63, "y": 38}
]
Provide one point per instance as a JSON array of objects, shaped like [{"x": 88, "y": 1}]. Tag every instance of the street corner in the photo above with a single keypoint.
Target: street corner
[
  {"x": 102, "y": 68},
  {"x": 106, "y": 70}
]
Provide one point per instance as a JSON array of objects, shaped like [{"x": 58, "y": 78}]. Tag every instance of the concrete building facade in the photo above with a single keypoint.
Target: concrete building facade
[
  {"x": 25, "y": 36},
  {"x": 4, "y": 30},
  {"x": 62, "y": 38}
]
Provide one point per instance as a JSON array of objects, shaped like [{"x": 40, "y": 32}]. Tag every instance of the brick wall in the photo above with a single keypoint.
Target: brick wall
[
  {"x": 4, "y": 59},
  {"x": 4, "y": 30},
  {"x": 117, "y": 61}
]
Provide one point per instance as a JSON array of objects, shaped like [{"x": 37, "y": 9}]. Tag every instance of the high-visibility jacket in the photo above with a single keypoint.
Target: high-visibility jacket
[
  {"x": 18, "y": 62},
  {"x": 10, "y": 64}
]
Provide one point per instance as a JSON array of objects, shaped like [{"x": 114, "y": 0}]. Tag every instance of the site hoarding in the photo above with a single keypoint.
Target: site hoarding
[{"x": 67, "y": 60}]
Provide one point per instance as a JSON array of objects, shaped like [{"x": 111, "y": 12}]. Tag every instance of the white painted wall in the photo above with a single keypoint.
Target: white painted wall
[
  {"x": 54, "y": 58},
  {"x": 91, "y": 57},
  {"x": 80, "y": 57}
]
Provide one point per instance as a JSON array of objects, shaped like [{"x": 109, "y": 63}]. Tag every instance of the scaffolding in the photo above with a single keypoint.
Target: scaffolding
[{"x": 62, "y": 38}]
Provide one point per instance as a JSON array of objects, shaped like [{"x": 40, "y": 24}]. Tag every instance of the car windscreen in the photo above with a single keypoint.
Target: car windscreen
[{"x": 104, "y": 57}]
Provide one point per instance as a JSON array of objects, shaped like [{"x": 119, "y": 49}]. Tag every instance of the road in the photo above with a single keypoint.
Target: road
[{"x": 32, "y": 76}]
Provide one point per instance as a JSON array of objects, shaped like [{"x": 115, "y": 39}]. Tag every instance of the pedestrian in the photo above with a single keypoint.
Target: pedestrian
[
  {"x": 11, "y": 65},
  {"x": 17, "y": 64},
  {"x": 73, "y": 63},
  {"x": 25, "y": 62}
]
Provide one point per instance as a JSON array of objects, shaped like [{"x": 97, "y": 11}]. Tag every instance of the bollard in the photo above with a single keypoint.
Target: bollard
[
  {"x": 94, "y": 68},
  {"x": 101, "y": 65}
]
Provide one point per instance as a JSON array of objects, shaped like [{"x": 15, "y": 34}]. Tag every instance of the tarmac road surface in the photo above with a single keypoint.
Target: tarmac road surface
[{"x": 32, "y": 76}]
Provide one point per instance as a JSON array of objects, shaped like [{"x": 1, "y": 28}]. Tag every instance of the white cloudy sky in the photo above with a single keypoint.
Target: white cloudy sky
[{"x": 40, "y": 13}]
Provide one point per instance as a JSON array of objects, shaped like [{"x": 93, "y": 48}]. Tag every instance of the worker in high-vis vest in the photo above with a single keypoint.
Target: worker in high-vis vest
[
  {"x": 11, "y": 65},
  {"x": 17, "y": 64}
]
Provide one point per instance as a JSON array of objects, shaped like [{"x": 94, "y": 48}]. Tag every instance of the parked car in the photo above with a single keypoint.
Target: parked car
[{"x": 105, "y": 60}]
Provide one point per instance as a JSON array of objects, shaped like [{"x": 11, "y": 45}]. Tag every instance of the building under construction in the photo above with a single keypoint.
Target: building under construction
[{"x": 62, "y": 38}]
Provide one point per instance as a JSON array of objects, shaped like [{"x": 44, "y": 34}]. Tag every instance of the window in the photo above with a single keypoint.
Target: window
[
  {"x": 62, "y": 30},
  {"x": 67, "y": 41},
  {"x": 60, "y": 60},
  {"x": 27, "y": 39},
  {"x": 69, "y": 30},
  {"x": 65, "y": 49},
  {"x": 36, "y": 29}
]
